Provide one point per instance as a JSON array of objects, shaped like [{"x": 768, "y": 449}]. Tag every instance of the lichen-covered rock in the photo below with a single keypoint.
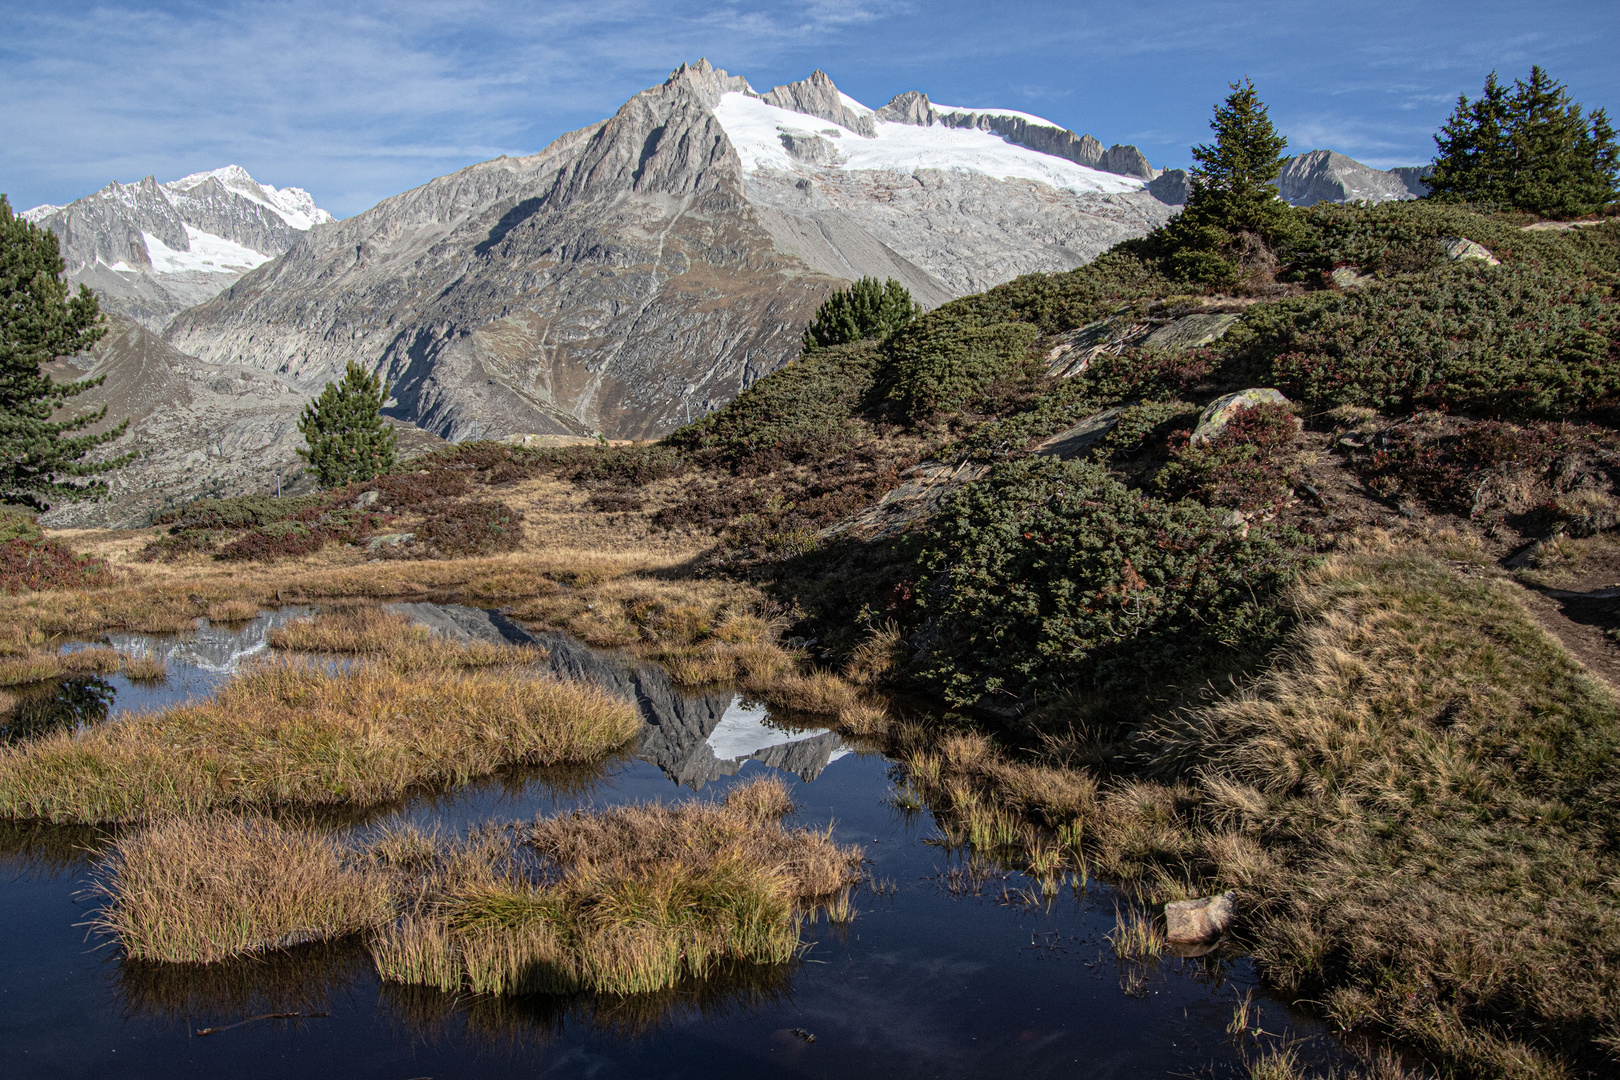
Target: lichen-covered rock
[
  {"x": 1218, "y": 413},
  {"x": 1459, "y": 248},
  {"x": 1350, "y": 277},
  {"x": 1191, "y": 331},
  {"x": 1200, "y": 921}
]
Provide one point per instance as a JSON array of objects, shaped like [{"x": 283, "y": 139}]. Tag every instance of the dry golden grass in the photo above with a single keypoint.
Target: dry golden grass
[
  {"x": 292, "y": 734},
  {"x": 638, "y": 899},
  {"x": 406, "y": 645},
  {"x": 631, "y": 900},
  {"x": 201, "y": 891},
  {"x": 232, "y": 611},
  {"x": 145, "y": 667},
  {"x": 38, "y": 666}
]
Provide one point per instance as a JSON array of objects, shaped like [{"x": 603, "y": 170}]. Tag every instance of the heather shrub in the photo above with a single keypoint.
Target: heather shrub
[
  {"x": 404, "y": 491},
  {"x": 244, "y": 512},
  {"x": 47, "y": 564},
  {"x": 1249, "y": 465},
  {"x": 178, "y": 545},
  {"x": 474, "y": 527},
  {"x": 1051, "y": 574}
]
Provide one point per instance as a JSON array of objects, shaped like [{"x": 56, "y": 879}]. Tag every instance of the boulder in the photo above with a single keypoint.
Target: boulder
[
  {"x": 367, "y": 498},
  {"x": 1350, "y": 277},
  {"x": 376, "y": 543},
  {"x": 1199, "y": 921},
  {"x": 1458, "y": 248},
  {"x": 1218, "y": 413},
  {"x": 1190, "y": 331}
]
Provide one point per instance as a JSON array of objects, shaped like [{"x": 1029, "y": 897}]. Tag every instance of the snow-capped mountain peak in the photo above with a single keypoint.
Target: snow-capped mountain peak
[{"x": 151, "y": 249}]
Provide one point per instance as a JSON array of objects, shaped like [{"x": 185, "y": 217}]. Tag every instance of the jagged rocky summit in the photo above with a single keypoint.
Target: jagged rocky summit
[{"x": 150, "y": 250}]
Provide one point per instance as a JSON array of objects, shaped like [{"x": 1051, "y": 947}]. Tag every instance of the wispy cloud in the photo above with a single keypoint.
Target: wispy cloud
[{"x": 358, "y": 101}]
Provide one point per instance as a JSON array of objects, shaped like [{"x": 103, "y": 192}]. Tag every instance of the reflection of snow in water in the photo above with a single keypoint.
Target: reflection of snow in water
[
  {"x": 743, "y": 732},
  {"x": 216, "y": 649}
]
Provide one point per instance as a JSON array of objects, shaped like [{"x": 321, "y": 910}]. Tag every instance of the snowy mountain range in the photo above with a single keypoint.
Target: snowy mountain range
[
  {"x": 150, "y": 249},
  {"x": 632, "y": 275}
]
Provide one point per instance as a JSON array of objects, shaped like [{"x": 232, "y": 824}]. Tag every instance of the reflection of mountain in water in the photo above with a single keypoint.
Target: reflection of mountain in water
[
  {"x": 217, "y": 649},
  {"x": 694, "y": 739}
]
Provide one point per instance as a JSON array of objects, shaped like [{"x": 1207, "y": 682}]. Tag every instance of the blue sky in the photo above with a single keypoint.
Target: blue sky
[{"x": 359, "y": 101}]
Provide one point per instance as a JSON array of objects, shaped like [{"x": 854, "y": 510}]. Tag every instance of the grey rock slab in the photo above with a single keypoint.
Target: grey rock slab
[
  {"x": 1350, "y": 277},
  {"x": 911, "y": 503},
  {"x": 1074, "y": 441},
  {"x": 1173, "y": 186},
  {"x": 1218, "y": 413},
  {"x": 1191, "y": 331}
]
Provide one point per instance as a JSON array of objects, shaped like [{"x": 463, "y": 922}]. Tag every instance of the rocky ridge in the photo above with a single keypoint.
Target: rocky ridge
[{"x": 150, "y": 250}]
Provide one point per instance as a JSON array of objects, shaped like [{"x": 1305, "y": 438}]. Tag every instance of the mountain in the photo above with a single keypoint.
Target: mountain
[
  {"x": 1318, "y": 176},
  {"x": 1325, "y": 176},
  {"x": 150, "y": 249},
  {"x": 645, "y": 269}
]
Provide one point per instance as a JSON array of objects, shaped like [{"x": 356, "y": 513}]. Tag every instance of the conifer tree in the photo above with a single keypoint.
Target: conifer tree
[
  {"x": 348, "y": 438},
  {"x": 867, "y": 309},
  {"x": 1233, "y": 191},
  {"x": 39, "y": 321},
  {"x": 1529, "y": 149}
]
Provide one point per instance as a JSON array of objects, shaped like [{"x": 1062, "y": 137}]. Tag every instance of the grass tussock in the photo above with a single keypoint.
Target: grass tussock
[
  {"x": 298, "y": 735},
  {"x": 629, "y": 900},
  {"x": 371, "y": 631},
  {"x": 636, "y": 899},
  {"x": 201, "y": 891},
  {"x": 38, "y": 666}
]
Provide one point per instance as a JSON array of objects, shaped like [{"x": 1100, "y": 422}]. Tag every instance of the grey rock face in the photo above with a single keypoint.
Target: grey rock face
[
  {"x": 1059, "y": 142},
  {"x": 150, "y": 250},
  {"x": 216, "y": 430},
  {"x": 1126, "y": 161},
  {"x": 1074, "y": 441},
  {"x": 817, "y": 96},
  {"x": 1191, "y": 331},
  {"x": 1326, "y": 176},
  {"x": 811, "y": 149},
  {"x": 911, "y": 107},
  {"x": 1173, "y": 186}
]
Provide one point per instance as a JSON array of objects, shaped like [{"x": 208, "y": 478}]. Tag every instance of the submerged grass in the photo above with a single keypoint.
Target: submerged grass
[
  {"x": 631, "y": 900},
  {"x": 293, "y": 734}
]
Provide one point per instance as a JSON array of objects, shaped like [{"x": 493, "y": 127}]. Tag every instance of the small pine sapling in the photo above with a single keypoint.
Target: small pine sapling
[{"x": 348, "y": 438}]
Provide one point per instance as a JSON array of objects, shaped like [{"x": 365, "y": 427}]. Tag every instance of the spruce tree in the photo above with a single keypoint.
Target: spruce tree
[
  {"x": 1529, "y": 149},
  {"x": 867, "y": 309},
  {"x": 348, "y": 438},
  {"x": 1233, "y": 192},
  {"x": 39, "y": 321}
]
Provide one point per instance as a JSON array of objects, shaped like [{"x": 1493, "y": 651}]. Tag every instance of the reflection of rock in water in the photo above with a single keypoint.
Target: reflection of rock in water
[
  {"x": 219, "y": 649},
  {"x": 694, "y": 739}
]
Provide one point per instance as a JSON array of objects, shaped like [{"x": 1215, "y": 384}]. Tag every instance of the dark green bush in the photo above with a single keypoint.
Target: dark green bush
[
  {"x": 810, "y": 402},
  {"x": 1054, "y": 303},
  {"x": 941, "y": 361},
  {"x": 244, "y": 512},
  {"x": 867, "y": 309},
  {"x": 1517, "y": 340},
  {"x": 1050, "y": 574}
]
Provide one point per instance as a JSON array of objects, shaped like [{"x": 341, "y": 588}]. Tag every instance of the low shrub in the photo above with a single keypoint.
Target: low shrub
[
  {"x": 180, "y": 544},
  {"x": 245, "y": 512},
  {"x": 470, "y": 528},
  {"x": 1249, "y": 465},
  {"x": 1047, "y": 574},
  {"x": 31, "y": 565},
  {"x": 940, "y": 362}
]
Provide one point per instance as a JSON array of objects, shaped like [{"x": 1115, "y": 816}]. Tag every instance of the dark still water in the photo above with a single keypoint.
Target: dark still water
[{"x": 946, "y": 970}]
